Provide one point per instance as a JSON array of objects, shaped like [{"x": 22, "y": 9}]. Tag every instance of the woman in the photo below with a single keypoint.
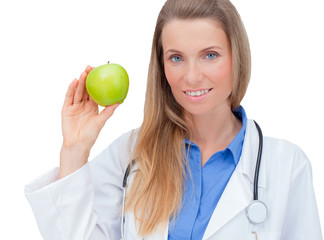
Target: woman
[{"x": 192, "y": 160}]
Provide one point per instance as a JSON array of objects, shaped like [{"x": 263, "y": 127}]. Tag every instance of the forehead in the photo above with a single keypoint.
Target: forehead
[{"x": 193, "y": 34}]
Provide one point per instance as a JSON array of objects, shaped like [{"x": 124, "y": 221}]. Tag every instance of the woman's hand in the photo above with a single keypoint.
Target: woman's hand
[{"x": 81, "y": 125}]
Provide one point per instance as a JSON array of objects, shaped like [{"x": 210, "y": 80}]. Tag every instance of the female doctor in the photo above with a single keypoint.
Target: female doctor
[{"x": 197, "y": 168}]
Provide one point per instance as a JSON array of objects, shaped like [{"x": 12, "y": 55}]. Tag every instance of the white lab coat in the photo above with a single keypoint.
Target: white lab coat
[{"x": 87, "y": 203}]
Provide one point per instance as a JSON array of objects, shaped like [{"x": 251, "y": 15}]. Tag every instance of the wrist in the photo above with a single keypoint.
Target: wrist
[{"x": 72, "y": 159}]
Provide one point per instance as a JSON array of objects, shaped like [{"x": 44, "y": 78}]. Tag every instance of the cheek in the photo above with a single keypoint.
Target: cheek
[
  {"x": 222, "y": 74},
  {"x": 172, "y": 76}
]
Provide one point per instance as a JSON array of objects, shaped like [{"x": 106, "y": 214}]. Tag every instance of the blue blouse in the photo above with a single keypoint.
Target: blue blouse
[{"x": 205, "y": 186}]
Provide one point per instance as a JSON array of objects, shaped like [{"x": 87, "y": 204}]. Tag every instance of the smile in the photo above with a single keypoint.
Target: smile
[{"x": 197, "y": 93}]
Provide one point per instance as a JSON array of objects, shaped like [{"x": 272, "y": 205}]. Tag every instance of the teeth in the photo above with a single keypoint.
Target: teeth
[{"x": 197, "y": 93}]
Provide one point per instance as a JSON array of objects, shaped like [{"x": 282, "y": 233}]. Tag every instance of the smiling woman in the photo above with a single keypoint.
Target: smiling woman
[{"x": 190, "y": 165}]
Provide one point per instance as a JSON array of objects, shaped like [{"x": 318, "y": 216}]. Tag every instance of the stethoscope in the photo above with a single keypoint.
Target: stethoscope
[{"x": 256, "y": 212}]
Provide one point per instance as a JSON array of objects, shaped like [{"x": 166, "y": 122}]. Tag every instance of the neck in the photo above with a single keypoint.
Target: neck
[{"x": 214, "y": 130}]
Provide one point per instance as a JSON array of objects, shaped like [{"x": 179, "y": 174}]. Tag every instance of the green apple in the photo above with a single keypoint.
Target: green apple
[{"x": 107, "y": 84}]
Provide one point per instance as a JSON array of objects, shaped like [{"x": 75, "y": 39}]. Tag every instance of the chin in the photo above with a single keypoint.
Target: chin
[
  {"x": 200, "y": 110},
  {"x": 197, "y": 111}
]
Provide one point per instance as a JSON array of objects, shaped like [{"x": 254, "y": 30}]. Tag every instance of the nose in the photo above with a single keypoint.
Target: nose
[{"x": 193, "y": 75}]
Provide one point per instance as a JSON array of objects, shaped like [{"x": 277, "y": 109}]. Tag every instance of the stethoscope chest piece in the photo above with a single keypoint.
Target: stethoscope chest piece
[{"x": 256, "y": 212}]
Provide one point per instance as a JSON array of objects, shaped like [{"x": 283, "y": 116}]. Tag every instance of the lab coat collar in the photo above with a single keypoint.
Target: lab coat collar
[{"x": 238, "y": 192}]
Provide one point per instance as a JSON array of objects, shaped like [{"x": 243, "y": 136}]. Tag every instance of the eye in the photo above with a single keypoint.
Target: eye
[
  {"x": 211, "y": 56},
  {"x": 175, "y": 58}
]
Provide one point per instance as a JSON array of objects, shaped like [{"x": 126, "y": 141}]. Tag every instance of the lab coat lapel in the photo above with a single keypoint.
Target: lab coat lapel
[
  {"x": 235, "y": 198},
  {"x": 239, "y": 190}
]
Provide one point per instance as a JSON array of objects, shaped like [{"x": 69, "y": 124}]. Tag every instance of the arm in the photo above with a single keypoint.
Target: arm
[
  {"x": 81, "y": 125},
  {"x": 86, "y": 203},
  {"x": 302, "y": 219},
  {"x": 64, "y": 201}
]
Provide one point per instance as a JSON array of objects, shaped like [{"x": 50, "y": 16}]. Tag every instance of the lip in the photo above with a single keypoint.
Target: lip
[{"x": 197, "y": 98}]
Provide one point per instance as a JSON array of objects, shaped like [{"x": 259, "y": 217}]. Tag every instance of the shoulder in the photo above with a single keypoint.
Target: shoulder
[
  {"x": 280, "y": 158},
  {"x": 276, "y": 152},
  {"x": 284, "y": 154},
  {"x": 124, "y": 144},
  {"x": 127, "y": 139},
  {"x": 283, "y": 148},
  {"x": 119, "y": 153}
]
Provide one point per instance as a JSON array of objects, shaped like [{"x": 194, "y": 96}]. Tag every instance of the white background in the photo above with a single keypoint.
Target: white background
[{"x": 44, "y": 45}]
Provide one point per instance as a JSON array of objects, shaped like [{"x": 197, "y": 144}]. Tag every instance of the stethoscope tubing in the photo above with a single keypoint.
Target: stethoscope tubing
[
  {"x": 124, "y": 197},
  {"x": 258, "y": 163}
]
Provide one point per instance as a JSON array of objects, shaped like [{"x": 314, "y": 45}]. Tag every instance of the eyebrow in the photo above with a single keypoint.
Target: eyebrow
[{"x": 203, "y": 50}]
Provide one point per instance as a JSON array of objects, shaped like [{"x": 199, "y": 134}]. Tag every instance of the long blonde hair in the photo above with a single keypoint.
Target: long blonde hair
[{"x": 156, "y": 191}]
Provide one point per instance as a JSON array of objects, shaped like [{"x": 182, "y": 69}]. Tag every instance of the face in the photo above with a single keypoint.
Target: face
[{"x": 198, "y": 65}]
